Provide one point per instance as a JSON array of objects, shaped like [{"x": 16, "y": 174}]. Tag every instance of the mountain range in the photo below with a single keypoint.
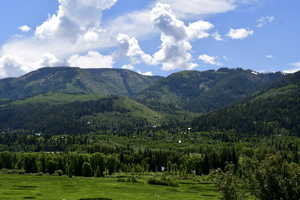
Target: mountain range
[{"x": 73, "y": 100}]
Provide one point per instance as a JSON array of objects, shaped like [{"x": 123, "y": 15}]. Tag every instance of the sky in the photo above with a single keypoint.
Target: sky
[{"x": 151, "y": 37}]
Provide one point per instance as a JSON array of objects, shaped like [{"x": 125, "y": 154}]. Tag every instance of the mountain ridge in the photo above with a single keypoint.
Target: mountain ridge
[
  {"x": 206, "y": 91},
  {"x": 103, "y": 82},
  {"x": 62, "y": 100}
]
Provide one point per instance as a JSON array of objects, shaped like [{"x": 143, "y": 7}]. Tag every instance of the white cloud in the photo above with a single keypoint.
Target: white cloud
[
  {"x": 296, "y": 64},
  {"x": 129, "y": 46},
  {"x": 129, "y": 67},
  {"x": 77, "y": 28},
  {"x": 209, "y": 60},
  {"x": 193, "y": 8},
  {"x": 10, "y": 67},
  {"x": 292, "y": 70},
  {"x": 239, "y": 34},
  {"x": 296, "y": 68},
  {"x": 217, "y": 36},
  {"x": 174, "y": 55},
  {"x": 138, "y": 24},
  {"x": 92, "y": 59},
  {"x": 145, "y": 73},
  {"x": 73, "y": 17},
  {"x": 175, "y": 37},
  {"x": 48, "y": 60},
  {"x": 264, "y": 21},
  {"x": 165, "y": 20},
  {"x": 24, "y": 28},
  {"x": 74, "y": 30},
  {"x": 91, "y": 36},
  {"x": 198, "y": 30},
  {"x": 269, "y": 56}
]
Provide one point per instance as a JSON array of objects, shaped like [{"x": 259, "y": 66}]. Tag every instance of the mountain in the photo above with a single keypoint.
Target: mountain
[
  {"x": 273, "y": 111},
  {"x": 67, "y": 114},
  {"x": 205, "y": 91},
  {"x": 72, "y": 100},
  {"x": 103, "y": 82}
]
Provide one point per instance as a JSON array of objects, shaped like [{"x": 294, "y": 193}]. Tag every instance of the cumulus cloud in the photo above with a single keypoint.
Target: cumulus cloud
[
  {"x": 269, "y": 56},
  {"x": 217, "y": 36},
  {"x": 198, "y": 30},
  {"x": 77, "y": 31},
  {"x": 174, "y": 55},
  {"x": 261, "y": 22},
  {"x": 296, "y": 64},
  {"x": 129, "y": 46},
  {"x": 211, "y": 60},
  {"x": 25, "y": 28},
  {"x": 10, "y": 67},
  {"x": 73, "y": 17},
  {"x": 49, "y": 60},
  {"x": 193, "y": 8},
  {"x": 175, "y": 38},
  {"x": 145, "y": 73},
  {"x": 74, "y": 30},
  {"x": 129, "y": 67},
  {"x": 174, "y": 52},
  {"x": 294, "y": 69},
  {"x": 92, "y": 59},
  {"x": 137, "y": 23},
  {"x": 239, "y": 34}
]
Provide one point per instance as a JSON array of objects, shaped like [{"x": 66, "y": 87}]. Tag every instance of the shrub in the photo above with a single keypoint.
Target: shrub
[
  {"x": 87, "y": 169},
  {"x": 131, "y": 179},
  {"x": 165, "y": 181},
  {"x": 58, "y": 173}
]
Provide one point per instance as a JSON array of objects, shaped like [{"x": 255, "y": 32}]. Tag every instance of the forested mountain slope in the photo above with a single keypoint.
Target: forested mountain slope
[
  {"x": 73, "y": 114},
  {"x": 274, "y": 111},
  {"x": 72, "y": 100},
  {"x": 103, "y": 82},
  {"x": 205, "y": 91}
]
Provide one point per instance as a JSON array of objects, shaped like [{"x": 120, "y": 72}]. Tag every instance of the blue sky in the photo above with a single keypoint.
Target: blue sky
[{"x": 150, "y": 37}]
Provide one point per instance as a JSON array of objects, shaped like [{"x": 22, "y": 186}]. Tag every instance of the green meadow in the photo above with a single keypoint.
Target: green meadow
[{"x": 33, "y": 187}]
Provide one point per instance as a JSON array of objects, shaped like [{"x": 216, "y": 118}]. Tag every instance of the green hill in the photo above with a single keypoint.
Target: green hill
[
  {"x": 102, "y": 82},
  {"x": 205, "y": 91},
  {"x": 76, "y": 114},
  {"x": 274, "y": 111}
]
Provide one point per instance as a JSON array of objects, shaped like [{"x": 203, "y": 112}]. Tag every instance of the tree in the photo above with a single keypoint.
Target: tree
[
  {"x": 228, "y": 184},
  {"x": 87, "y": 169},
  {"x": 277, "y": 179},
  {"x": 98, "y": 164}
]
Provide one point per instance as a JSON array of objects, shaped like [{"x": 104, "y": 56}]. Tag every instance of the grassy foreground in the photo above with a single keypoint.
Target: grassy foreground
[{"x": 20, "y": 187}]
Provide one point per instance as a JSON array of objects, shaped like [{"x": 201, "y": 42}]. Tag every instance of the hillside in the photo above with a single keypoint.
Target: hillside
[
  {"x": 274, "y": 111},
  {"x": 73, "y": 100},
  {"x": 205, "y": 91},
  {"x": 102, "y": 82},
  {"x": 76, "y": 114}
]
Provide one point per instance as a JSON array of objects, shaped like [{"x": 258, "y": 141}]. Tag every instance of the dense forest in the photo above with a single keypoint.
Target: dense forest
[{"x": 247, "y": 165}]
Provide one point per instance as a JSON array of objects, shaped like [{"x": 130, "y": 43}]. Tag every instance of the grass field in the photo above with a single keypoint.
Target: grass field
[{"x": 20, "y": 187}]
